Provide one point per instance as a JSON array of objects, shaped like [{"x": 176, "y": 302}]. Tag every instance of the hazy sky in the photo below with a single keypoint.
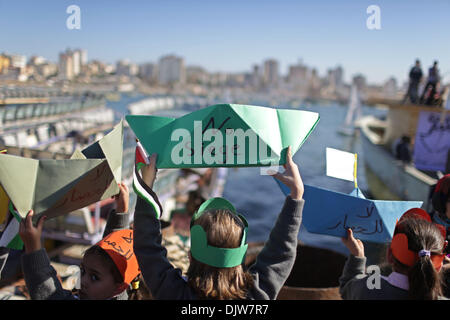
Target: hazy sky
[{"x": 233, "y": 35}]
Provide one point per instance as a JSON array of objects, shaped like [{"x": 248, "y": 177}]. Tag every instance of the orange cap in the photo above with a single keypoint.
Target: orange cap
[{"x": 119, "y": 246}]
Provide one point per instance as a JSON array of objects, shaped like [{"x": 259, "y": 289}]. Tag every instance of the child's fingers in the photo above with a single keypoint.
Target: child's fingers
[
  {"x": 152, "y": 159},
  {"x": 29, "y": 219},
  {"x": 40, "y": 223},
  {"x": 278, "y": 176},
  {"x": 350, "y": 236},
  {"x": 289, "y": 154}
]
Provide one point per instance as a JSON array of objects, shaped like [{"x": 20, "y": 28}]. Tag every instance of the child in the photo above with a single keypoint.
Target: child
[
  {"x": 218, "y": 246},
  {"x": 441, "y": 203},
  {"x": 107, "y": 268},
  {"x": 415, "y": 254}
]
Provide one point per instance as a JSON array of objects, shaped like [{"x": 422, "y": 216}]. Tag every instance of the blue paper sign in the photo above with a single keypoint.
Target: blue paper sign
[{"x": 332, "y": 213}]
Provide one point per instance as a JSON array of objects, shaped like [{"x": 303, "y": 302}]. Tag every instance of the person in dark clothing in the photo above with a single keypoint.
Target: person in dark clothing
[
  {"x": 415, "y": 76},
  {"x": 402, "y": 151},
  {"x": 429, "y": 90}
]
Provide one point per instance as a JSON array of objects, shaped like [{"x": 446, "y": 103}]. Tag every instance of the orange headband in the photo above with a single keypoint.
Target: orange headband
[
  {"x": 119, "y": 246},
  {"x": 399, "y": 243},
  {"x": 401, "y": 252}
]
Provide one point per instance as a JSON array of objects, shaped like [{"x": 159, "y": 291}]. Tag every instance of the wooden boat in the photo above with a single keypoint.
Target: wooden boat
[{"x": 314, "y": 276}]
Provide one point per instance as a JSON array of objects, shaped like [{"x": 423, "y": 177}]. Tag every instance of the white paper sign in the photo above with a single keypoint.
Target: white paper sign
[{"x": 340, "y": 164}]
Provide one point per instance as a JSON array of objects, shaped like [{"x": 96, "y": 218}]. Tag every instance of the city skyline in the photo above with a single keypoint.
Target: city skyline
[{"x": 208, "y": 35}]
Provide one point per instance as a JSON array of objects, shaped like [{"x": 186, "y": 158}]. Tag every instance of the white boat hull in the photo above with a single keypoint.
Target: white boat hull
[{"x": 389, "y": 177}]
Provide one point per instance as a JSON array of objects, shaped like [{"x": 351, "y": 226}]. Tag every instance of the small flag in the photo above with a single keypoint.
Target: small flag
[
  {"x": 3, "y": 151},
  {"x": 141, "y": 156},
  {"x": 10, "y": 237},
  {"x": 341, "y": 165},
  {"x": 139, "y": 186}
]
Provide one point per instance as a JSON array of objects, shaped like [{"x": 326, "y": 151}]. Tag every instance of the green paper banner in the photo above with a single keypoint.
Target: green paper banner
[{"x": 224, "y": 135}]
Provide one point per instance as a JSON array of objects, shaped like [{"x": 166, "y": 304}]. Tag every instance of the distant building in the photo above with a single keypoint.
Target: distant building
[
  {"x": 66, "y": 66},
  {"x": 335, "y": 79},
  {"x": 71, "y": 63},
  {"x": 126, "y": 68},
  {"x": 83, "y": 57},
  {"x": 314, "y": 84},
  {"x": 171, "y": 70},
  {"x": 13, "y": 67},
  {"x": 270, "y": 75},
  {"x": 256, "y": 77},
  {"x": 76, "y": 60},
  {"x": 148, "y": 72},
  {"x": 298, "y": 75},
  {"x": 36, "y": 60},
  {"x": 5, "y": 62},
  {"x": 196, "y": 75},
  {"x": 360, "y": 81},
  {"x": 18, "y": 61}
]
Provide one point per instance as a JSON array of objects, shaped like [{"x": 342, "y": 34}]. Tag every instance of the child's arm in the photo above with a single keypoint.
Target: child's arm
[
  {"x": 118, "y": 217},
  {"x": 350, "y": 283},
  {"x": 40, "y": 276},
  {"x": 274, "y": 263},
  {"x": 163, "y": 280}
]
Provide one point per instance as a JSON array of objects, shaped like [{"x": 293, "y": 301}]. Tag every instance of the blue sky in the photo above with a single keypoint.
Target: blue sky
[{"x": 233, "y": 35}]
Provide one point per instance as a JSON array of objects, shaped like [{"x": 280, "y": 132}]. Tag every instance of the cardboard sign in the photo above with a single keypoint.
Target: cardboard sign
[{"x": 432, "y": 142}]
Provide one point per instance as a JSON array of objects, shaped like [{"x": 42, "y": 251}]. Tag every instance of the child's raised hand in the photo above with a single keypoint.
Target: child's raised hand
[
  {"x": 149, "y": 171},
  {"x": 31, "y": 235},
  {"x": 355, "y": 246},
  {"x": 291, "y": 177},
  {"x": 122, "y": 199}
]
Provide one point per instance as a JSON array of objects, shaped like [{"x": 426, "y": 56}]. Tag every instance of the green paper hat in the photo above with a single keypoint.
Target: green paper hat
[{"x": 214, "y": 256}]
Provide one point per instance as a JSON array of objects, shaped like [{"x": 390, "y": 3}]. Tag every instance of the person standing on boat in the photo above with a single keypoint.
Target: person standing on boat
[
  {"x": 415, "y": 77},
  {"x": 430, "y": 87}
]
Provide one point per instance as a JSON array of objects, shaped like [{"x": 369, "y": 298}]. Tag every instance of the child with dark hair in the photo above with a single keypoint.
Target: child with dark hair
[
  {"x": 440, "y": 200},
  {"x": 218, "y": 246},
  {"x": 440, "y": 214},
  {"x": 415, "y": 254},
  {"x": 107, "y": 268}
]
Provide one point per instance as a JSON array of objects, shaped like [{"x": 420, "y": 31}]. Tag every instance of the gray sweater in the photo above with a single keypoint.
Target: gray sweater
[
  {"x": 271, "y": 269},
  {"x": 354, "y": 279},
  {"x": 40, "y": 277}
]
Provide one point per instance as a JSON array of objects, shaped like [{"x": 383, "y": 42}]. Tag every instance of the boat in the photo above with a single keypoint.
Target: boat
[
  {"x": 353, "y": 113},
  {"x": 314, "y": 276},
  {"x": 44, "y": 120},
  {"x": 387, "y": 177}
]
